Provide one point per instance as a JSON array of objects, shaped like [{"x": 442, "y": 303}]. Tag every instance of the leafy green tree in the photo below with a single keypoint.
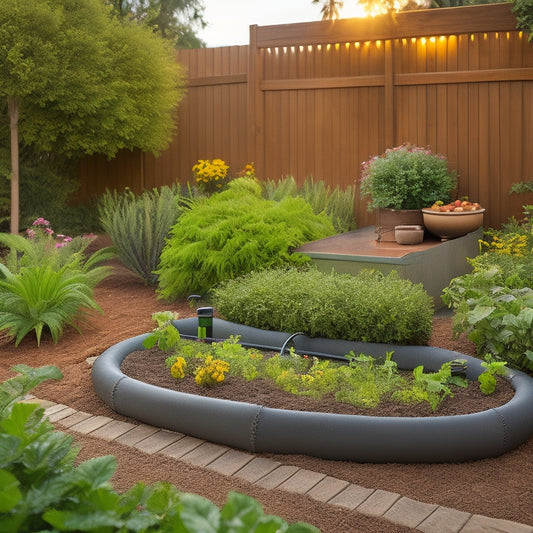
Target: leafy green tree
[
  {"x": 330, "y": 8},
  {"x": 523, "y": 9},
  {"x": 76, "y": 81},
  {"x": 176, "y": 20}
]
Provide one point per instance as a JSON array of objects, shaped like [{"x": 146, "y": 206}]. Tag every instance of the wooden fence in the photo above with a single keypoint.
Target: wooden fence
[{"x": 319, "y": 98}]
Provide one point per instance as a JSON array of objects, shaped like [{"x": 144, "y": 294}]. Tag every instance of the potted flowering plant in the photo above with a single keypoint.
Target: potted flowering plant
[{"x": 406, "y": 177}]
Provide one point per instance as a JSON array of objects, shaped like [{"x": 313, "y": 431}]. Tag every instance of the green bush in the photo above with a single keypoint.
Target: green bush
[
  {"x": 46, "y": 283},
  {"x": 369, "y": 307},
  {"x": 41, "y": 488},
  {"x": 494, "y": 303},
  {"x": 495, "y": 310},
  {"x": 234, "y": 232},
  {"x": 139, "y": 225},
  {"x": 336, "y": 204}
]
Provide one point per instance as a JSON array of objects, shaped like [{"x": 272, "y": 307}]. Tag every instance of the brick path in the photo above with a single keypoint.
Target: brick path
[{"x": 429, "y": 518}]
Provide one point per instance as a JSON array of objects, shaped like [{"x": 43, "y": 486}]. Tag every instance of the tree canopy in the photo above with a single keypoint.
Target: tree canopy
[
  {"x": 75, "y": 80},
  {"x": 175, "y": 20}
]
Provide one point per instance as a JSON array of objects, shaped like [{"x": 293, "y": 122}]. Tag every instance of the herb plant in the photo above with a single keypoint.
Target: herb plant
[
  {"x": 369, "y": 307},
  {"x": 42, "y": 489},
  {"x": 362, "y": 380}
]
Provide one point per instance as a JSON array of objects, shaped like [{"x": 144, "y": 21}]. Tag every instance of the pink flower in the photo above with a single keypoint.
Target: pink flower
[{"x": 40, "y": 222}]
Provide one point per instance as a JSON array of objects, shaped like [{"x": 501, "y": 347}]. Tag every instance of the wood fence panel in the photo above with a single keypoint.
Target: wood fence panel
[{"x": 319, "y": 98}]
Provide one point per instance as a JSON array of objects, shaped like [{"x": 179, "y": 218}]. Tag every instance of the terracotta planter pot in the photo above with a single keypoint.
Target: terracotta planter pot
[
  {"x": 450, "y": 225},
  {"x": 388, "y": 219}
]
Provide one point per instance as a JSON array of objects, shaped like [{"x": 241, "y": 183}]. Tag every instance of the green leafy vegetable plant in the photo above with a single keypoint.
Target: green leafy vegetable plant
[
  {"x": 165, "y": 335},
  {"x": 42, "y": 488},
  {"x": 487, "y": 380},
  {"x": 362, "y": 380}
]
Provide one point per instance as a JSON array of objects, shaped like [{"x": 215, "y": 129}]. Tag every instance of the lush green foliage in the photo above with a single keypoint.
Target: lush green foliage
[
  {"x": 407, "y": 177},
  {"x": 139, "y": 225},
  {"x": 234, "y": 232},
  {"x": 362, "y": 380},
  {"x": 523, "y": 10},
  {"x": 87, "y": 82},
  {"x": 42, "y": 489},
  {"x": 175, "y": 20},
  {"x": 369, "y": 307},
  {"x": 337, "y": 204},
  {"x": 494, "y": 303},
  {"x": 48, "y": 283}
]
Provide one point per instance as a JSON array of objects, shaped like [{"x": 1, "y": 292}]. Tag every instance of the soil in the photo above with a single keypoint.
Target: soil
[
  {"x": 497, "y": 487},
  {"x": 149, "y": 366}
]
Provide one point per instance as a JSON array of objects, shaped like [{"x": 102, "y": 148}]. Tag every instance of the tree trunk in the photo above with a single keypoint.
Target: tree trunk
[{"x": 13, "y": 112}]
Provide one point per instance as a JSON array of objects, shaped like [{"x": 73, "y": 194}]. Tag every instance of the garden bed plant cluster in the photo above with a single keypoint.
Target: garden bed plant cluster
[{"x": 362, "y": 380}]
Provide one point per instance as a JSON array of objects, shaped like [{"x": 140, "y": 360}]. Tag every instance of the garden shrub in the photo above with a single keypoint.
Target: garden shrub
[
  {"x": 139, "y": 225},
  {"x": 337, "y": 204},
  {"x": 369, "y": 307},
  {"x": 47, "y": 281},
  {"x": 493, "y": 305},
  {"x": 232, "y": 233},
  {"x": 42, "y": 489}
]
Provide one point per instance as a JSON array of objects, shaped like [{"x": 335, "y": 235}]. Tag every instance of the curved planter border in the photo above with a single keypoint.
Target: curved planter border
[{"x": 330, "y": 436}]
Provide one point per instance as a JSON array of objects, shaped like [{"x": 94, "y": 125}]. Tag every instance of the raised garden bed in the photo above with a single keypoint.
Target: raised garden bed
[{"x": 331, "y": 436}]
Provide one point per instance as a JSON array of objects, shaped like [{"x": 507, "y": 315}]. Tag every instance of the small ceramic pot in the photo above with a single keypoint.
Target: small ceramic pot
[{"x": 409, "y": 234}]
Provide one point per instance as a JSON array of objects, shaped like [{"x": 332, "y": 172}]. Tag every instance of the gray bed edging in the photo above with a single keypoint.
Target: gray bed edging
[{"x": 330, "y": 436}]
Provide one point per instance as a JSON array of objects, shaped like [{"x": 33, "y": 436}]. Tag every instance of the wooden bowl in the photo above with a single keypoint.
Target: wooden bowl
[{"x": 452, "y": 224}]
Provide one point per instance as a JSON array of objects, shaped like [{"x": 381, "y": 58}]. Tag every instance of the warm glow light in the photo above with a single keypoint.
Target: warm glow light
[
  {"x": 423, "y": 40},
  {"x": 351, "y": 9},
  {"x": 432, "y": 39}
]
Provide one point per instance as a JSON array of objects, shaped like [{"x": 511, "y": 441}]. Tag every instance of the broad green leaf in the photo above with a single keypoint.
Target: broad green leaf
[
  {"x": 18, "y": 422},
  {"x": 10, "y": 494},
  {"x": 199, "y": 514},
  {"x": 479, "y": 313},
  {"x": 240, "y": 512},
  {"x": 97, "y": 471},
  {"x": 9, "y": 449},
  {"x": 47, "y": 452},
  {"x": 79, "y": 521}
]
